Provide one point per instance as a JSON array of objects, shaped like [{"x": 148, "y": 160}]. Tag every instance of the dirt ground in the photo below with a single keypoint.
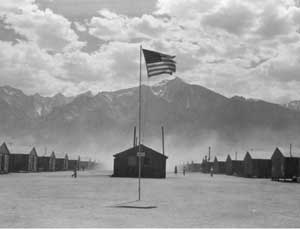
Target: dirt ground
[{"x": 96, "y": 200}]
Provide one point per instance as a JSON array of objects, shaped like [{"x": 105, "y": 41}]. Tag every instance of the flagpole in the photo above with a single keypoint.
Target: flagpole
[{"x": 140, "y": 117}]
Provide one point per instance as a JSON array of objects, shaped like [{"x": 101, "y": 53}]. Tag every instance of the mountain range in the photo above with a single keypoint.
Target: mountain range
[{"x": 100, "y": 125}]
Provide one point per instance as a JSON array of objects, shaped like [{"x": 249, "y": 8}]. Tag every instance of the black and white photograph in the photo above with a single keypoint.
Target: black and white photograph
[{"x": 149, "y": 113}]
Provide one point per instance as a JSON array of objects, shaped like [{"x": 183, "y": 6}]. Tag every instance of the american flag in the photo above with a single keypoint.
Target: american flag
[{"x": 158, "y": 63}]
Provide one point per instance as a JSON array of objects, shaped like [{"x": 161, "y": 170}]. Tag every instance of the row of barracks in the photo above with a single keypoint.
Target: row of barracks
[
  {"x": 277, "y": 166},
  {"x": 31, "y": 162},
  {"x": 190, "y": 167}
]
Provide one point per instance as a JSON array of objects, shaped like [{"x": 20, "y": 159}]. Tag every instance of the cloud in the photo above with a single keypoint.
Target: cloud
[
  {"x": 274, "y": 21},
  {"x": 80, "y": 27},
  {"x": 234, "y": 17},
  {"x": 184, "y": 8},
  {"x": 284, "y": 71},
  {"x": 112, "y": 63},
  {"x": 26, "y": 66},
  {"x": 8, "y": 34},
  {"x": 109, "y": 26},
  {"x": 248, "y": 47},
  {"x": 50, "y": 31},
  {"x": 252, "y": 43}
]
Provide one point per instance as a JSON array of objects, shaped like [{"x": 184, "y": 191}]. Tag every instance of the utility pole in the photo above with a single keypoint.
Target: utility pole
[
  {"x": 134, "y": 136},
  {"x": 290, "y": 150},
  {"x": 163, "y": 140}
]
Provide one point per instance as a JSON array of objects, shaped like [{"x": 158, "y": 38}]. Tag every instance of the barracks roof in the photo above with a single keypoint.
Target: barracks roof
[{"x": 143, "y": 149}]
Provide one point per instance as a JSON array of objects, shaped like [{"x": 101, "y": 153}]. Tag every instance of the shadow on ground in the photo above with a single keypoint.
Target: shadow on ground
[{"x": 137, "y": 204}]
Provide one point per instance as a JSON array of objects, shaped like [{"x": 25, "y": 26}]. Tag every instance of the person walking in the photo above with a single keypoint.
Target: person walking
[{"x": 74, "y": 173}]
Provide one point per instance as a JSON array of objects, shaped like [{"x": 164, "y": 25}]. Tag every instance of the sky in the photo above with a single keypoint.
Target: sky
[{"x": 249, "y": 48}]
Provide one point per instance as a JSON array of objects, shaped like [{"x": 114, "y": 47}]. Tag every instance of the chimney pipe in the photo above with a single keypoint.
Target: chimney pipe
[
  {"x": 290, "y": 150},
  {"x": 209, "y": 153},
  {"x": 163, "y": 140},
  {"x": 134, "y": 136}
]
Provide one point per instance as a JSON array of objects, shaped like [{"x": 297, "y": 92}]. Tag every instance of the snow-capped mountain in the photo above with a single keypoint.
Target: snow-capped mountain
[
  {"x": 33, "y": 106},
  {"x": 193, "y": 117}
]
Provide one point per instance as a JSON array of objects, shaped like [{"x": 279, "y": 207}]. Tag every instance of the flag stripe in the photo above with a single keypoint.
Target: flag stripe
[
  {"x": 160, "y": 72},
  {"x": 173, "y": 69},
  {"x": 163, "y": 61},
  {"x": 161, "y": 68},
  {"x": 158, "y": 64},
  {"x": 168, "y": 58}
]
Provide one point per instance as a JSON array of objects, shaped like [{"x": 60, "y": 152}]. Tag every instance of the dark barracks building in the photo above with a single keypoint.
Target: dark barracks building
[
  {"x": 46, "y": 163},
  {"x": 153, "y": 165},
  {"x": 74, "y": 164},
  {"x": 219, "y": 166},
  {"x": 257, "y": 165},
  {"x": 234, "y": 167},
  {"x": 284, "y": 166},
  {"x": 61, "y": 162},
  {"x": 4, "y": 158},
  {"x": 193, "y": 167},
  {"x": 22, "y": 162}
]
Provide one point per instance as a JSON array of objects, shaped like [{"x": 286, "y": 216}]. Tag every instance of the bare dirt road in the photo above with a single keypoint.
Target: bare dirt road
[{"x": 96, "y": 200}]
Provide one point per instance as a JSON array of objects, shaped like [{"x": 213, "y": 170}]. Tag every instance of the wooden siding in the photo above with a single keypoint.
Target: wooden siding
[
  {"x": 256, "y": 167},
  {"x": 18, "y": 162},
  {"x": 233, "y": 167},
  {"x": 43, "y": 163},
  {"x": 59, "y": 164},
  {"x": 33, "y": 161},
  {"x": 219, "y": 166},
  {"x": 72, "y": 164},
  {"x": 228, "y": 166},
  {"x": 52, "y": 162}
]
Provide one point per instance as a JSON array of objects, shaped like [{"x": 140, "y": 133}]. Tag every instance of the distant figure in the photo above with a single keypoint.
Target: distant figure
[
  {"x": 83, "y": 168},
  {"x": 75, "y": 173},
  {"x": 175, "y": 170},
  {"x": 211, "y": 171},
  {"x": 183, "y": 171}
]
